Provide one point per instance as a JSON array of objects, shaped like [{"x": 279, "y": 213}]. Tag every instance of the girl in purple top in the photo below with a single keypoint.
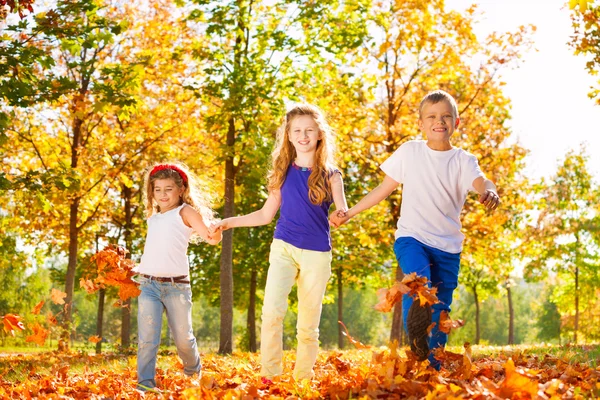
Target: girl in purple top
[{"x": 303, "y": 183}]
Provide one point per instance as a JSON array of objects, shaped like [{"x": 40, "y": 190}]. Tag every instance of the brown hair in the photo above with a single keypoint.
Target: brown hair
[
  {"x": 319, "y": 188},
  {"x": 435, "y": 97},
  {"x": 192, "y": 195}
]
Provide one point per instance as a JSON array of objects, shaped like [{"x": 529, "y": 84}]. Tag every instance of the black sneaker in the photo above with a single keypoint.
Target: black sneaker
[{"x": 417, "y": 322}]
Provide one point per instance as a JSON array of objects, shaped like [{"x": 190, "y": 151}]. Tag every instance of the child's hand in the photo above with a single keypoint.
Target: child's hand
[
  {"x": 218, "y": 227},
  {"x": 338, "y": 218},
  {"x": 215, "y": 237},
  {"x": 490, "y": 199}
]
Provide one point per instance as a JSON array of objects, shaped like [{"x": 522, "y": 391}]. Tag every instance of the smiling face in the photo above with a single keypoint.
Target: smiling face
[
  {"x": 304, "y": 134},
  {"x": 438, "y": 122},
  {"x": 167, "y": 194}
]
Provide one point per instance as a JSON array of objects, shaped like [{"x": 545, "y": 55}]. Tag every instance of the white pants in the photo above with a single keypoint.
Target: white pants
[{"x": 311, "y": 270}]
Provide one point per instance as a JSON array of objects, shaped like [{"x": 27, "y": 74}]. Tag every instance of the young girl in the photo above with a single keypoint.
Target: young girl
[
  {"x": 303, "y": 182},
  {"x": 175, "y": 210}
]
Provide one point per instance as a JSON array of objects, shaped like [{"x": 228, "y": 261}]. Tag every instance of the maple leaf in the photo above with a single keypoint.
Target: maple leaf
[
  {"x": 88, "y": 285},
  {"x": 355, "y": 342},
  {"x": 51, "y": 318},
  {"x": 447, "y": 324},
  {"x": 12, "y": 322},
  {"x": 38, "y": 307},
  {"x": 39, "y": 335},
  {"x": 129, "y": 289},
  {"x": 413, "y": 285},
  {"x": 94, "y": 339},
  {"x": 58, "y": 296},
  {"x": 516, "y": 383}
]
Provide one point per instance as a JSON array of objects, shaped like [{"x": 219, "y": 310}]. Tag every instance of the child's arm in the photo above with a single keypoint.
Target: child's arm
[
  {"x": 193, "y": 219},
  {"x": 263, "y": 216},
  {"x": 488, "y": 194},
  {"x": 337, "y": 191},
  {"x": 372, "y": 198}
]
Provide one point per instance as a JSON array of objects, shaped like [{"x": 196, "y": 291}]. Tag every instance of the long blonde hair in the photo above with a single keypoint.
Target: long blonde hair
[
  {"x": 193, "y": 194},
  {"x": 319, "y": 187}
]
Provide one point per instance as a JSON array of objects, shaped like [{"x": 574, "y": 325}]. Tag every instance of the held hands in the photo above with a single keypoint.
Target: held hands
[
  {"x": 338, "y": 218},
  {"x": 489, "y": 199},
  {"x": 214, "y": 237}
]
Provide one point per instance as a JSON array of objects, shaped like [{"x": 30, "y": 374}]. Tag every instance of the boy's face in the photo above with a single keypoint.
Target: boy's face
[{"x": 437, "y": 121}]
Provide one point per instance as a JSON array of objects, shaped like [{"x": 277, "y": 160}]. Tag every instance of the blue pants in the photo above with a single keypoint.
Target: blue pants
[
  {"x": 441, "y": 268},
  {"x": 176, "y": 300}
]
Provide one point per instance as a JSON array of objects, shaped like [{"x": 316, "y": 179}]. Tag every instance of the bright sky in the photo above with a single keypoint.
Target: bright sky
[{"x": 551, "y": 112}]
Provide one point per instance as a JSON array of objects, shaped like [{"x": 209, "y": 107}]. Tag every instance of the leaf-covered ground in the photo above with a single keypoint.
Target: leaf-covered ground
[{"x": 492, "y": 373}]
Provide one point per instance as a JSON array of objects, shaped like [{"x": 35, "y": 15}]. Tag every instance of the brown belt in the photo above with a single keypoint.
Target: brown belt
[{"x": 172, "y": 279}]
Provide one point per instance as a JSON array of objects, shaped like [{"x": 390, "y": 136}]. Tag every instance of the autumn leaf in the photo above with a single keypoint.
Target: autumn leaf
[
  {"x": 355, "y": 342},
  {"x": 39, "y": 335},
  {"x": 517, "y": 383},
  {"x": 127, "y": 290},
  {"x": 413, "y": 285},
  {"x": 51, "y": 318},
  {"x": 447, "y": 324},
  {"x": 58, "y": 296},
  {"x": 94, "y": 339},
  {"x": 12, "y": 322},
  {"x": 38, "y": 307},
  {"x": 88, "y": 285}
]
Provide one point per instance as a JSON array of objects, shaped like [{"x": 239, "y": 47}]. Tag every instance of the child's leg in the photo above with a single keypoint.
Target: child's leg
[
  {"x": 412, "y": 257},
  {"x": 444, "y": 276},
  {"x": 177, "y": 298},
  {"x": 150, "y": 308},
  {"x": 315, "y": 270},
  {"x": 280, "y": 279}
]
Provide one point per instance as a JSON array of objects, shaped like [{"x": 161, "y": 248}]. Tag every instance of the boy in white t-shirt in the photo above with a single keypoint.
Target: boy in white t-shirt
[{"x": 436, "y": 179}]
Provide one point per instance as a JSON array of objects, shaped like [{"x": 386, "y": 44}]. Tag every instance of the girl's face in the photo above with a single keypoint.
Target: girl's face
[
  {"x": 304, "y": 134},
  {"x": 166, "y": 194}
]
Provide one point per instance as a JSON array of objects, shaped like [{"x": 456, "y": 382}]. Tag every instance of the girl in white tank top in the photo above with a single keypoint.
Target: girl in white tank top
[{"x": 176, "y": 210}]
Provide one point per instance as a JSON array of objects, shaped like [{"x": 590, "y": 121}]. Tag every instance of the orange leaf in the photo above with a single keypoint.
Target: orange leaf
[
  {"x": 38, "y": 307},
  {"x": 12, "y": 322},
  {"x": 58, "y": 296},
  {"x": 355, "y": 342},
  {"x": 517, "y": 383},
  {"x": 51, "y": 319},
  {"x": 39, "y": 335},
  {"x": 447, "y": 324},
  {"x": 94, "y": 339},
  {"x": 128, "y": 289},
  {"x": 88, "y": 285}
]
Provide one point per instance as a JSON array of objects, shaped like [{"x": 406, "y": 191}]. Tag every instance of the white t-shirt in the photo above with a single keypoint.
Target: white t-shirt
[
  {"x": 435, "y": 187},
  {"x": 165, "y": 250}
]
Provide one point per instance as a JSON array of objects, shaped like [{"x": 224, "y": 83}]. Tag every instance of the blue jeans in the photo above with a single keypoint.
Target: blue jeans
[
  {"x": 441, "y": 268},
  {"x": 176, "y": 299}
]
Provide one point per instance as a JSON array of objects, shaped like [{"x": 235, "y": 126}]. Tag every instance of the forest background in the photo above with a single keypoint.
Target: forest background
[{"x": 95, "y": 92}]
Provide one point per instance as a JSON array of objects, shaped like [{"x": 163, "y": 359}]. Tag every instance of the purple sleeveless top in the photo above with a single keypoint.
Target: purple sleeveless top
[{"x": 301, "y": 223}]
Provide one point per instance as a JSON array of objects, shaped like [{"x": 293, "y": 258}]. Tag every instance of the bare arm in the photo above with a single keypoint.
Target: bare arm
[
  {"x": 375, "y": 196},
  {"x": 263, "y": 216},
  {"x": 488, "y": 194},
  {"x": 337, "y": 190},
  {"x": 194, "y": 220}
]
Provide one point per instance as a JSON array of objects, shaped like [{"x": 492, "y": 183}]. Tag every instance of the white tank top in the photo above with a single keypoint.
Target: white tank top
[{"x": 165, "y": 250}]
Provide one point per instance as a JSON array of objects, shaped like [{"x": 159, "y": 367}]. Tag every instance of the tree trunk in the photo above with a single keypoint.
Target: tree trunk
[
  {"x": 251, "y": 324},
  {"x": 63, "y": 343},
  {"x": 340, "y": 307},
  {"x": 100, "y": 319},
  {"x": 477, "y": 335},
  {"x": 226, "y": 272},
  {"x": 511, "y": 314},
  {"x": 126, "y": 306},
  {"x": 397, "y": 333},
  {"x": 576, "y": 328}
]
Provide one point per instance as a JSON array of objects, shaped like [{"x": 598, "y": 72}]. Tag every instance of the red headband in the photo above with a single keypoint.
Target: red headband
[{"x": 175, "y": 168}]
